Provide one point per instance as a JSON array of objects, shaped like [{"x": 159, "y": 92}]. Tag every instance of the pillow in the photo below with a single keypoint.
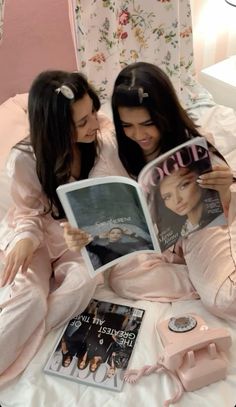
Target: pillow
[
  {"x": 220, "y": 121},
  {"x": 13, "y": 123},
  {"x": 13, "y": 128}
]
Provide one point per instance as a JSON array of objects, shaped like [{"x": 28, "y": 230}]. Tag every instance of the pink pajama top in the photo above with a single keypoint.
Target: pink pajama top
[
  {"x": 26, "y": 218},
  {"x": 202, "y": 266}
]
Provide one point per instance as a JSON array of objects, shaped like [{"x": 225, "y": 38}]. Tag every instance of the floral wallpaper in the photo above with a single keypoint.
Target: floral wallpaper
[
  {"x": 110, "y": 34},
  {"x": 2, "y": 2}
]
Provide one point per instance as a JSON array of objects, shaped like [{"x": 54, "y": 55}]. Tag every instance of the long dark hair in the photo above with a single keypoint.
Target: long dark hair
[
  {"x": 52, "y": 131},
  {"x": 145, "y": 85}
]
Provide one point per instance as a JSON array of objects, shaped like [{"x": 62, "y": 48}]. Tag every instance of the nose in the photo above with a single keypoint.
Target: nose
[
  {"x": 93, "y": 122},
  {"x": 177, "y": 197},
  {"x": 138, "y": 133}
]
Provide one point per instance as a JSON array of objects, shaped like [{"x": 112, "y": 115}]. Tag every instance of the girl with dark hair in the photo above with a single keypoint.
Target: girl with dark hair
[
  {"x": 149, "y": 120},
  {"x": 66, "y": 133},
  {"x": 144, "y": 91}
]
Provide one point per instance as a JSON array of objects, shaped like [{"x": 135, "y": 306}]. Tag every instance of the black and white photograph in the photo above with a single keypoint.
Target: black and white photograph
[
  {"x": 113, "y": 211},
  {"x": 96, "y": 346}
]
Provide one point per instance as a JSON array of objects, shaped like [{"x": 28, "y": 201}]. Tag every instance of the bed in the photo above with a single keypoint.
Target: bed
[{"x": 33, "y": 388}]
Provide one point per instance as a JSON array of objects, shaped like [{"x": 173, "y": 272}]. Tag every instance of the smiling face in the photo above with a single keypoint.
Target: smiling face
[
  {"x": 139, "y": 127},
  {"x": 85, "y": 120},
  {"x": 67, "y": 361},
  {"x": 180, "y": 191},
  {"x": 82, "y": 364}
]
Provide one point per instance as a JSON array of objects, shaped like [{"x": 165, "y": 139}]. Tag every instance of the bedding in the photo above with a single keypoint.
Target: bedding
[{"x": 33, "y": 388}]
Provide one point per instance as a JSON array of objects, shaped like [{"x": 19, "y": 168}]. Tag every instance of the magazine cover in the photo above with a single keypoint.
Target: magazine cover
[
  {"x": 114, "y": 212},
  {"x": 177, "y": 204},
  {"x": 124, "y": 216},
  {"x": 96, "y": 346}
]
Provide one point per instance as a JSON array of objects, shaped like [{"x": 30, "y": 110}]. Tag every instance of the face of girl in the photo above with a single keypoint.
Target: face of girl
[
  {"x": 114, "y": 235},
  {"x": 139, "y": 127},
  {"x": 110, "y": 372},
  {"x": 94, "y": 363},
  {"x": 82, "y": 364},
  {"x": 85, "y": 120},
  {"x": 67, "y": 361},
  {"x": 180, "y": 191}
]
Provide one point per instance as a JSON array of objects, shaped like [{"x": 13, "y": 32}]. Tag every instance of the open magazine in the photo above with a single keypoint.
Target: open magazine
[
  {"x": 96, "y": 346},
  {"x": 124, "y": 216}
]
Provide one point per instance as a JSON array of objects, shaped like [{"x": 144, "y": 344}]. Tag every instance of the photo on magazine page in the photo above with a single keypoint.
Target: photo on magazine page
[
  {"x": 96, "y": 346},
  {"x": 113, "y": 214},
  {"x": 177, "y": 204}
]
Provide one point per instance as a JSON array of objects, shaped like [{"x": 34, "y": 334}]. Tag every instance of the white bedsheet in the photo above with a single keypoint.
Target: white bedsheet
[{"x": 35, "y": 389}]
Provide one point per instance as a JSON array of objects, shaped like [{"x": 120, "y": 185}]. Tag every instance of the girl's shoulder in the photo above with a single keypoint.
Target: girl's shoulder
[
  {"x": 108, "y": 162},
  {"x": 106, "y": 135},
  {"x": 20, "y": 160}
]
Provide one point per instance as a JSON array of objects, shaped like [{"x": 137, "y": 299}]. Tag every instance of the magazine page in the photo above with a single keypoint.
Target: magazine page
[
  {"x": 114, "y": 212},
  {"x": 177, "y": 204},
  {"x": 96, "y": 346}
]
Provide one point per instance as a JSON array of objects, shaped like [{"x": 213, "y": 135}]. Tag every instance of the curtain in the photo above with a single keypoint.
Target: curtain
[
  {"x": 109, "y": 34},
  {"x": 2, "y": 2}
]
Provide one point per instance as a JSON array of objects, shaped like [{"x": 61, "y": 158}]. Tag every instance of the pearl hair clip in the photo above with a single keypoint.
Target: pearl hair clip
[
  {"x": 66, "y": 91},
  {"x": 141, "y": 95}
]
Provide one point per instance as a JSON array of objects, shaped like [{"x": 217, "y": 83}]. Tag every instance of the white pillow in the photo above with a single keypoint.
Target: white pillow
[
  {"x": 220, "y": 121},
  {"x": 13, "y": 124},
  {"x": 13, "y": 128}
]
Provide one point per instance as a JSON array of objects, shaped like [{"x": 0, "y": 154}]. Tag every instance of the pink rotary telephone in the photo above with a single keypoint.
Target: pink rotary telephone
[
  {"x": 193, "y": 350},
  {"x": 193, "y": 354}
]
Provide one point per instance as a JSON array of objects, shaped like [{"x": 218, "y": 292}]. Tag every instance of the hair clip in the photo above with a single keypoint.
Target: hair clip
[
  {"x": 141, "y": 95},
  {"x": 66, "y": 91}
]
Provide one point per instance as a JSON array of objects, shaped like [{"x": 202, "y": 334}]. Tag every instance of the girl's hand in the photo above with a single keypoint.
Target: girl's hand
[
  {"x": 18, "y": 258},
  {"x": 103, "y": 235},
  {"x": 75, "y": 238},
  {"x": 127, "y": 231},
  {"x": 220, "y": 179}
]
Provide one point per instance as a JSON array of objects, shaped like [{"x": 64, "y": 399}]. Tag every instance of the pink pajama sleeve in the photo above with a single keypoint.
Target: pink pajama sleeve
[{"x": 211, "y": 258}]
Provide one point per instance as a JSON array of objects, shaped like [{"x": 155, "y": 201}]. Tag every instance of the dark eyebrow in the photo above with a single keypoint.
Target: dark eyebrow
[{"x": 145, "y": 122}]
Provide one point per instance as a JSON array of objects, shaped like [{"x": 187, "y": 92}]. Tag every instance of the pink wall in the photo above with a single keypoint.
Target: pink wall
[{"x": 36, "y": 36}]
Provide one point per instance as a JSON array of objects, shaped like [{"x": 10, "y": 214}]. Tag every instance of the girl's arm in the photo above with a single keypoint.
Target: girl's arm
[
  {"x": 22, "y": 228},
  {"x": 26, "y": 216}
]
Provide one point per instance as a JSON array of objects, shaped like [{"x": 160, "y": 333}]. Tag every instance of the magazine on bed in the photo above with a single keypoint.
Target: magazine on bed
[
  {"x": 95, "y": 347},
  {"x": 124, "y": 216}
]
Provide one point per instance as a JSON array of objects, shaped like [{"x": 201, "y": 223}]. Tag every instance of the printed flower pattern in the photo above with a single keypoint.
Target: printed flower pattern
[{"x": 113, "y": 33}]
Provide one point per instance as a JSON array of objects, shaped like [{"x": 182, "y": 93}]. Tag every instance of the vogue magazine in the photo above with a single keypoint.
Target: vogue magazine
[{"x": 125, "y": 217}]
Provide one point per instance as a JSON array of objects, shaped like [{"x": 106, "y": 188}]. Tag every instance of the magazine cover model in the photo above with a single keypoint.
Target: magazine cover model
[
  {"x": 96, "y": 346},
  {"x": 124, "y": 216}
]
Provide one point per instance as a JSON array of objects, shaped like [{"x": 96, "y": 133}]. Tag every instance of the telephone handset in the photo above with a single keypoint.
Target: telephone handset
[
  {"x": 193, "y": 350},
  {"x": 193, "y": 354}
]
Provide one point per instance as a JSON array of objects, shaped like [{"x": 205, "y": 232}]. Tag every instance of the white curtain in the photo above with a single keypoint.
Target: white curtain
[
  {"x": 109, "y": 34},
  {"x": 2, "y": 3}
]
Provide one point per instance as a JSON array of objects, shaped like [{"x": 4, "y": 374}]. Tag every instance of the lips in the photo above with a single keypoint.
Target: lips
[
  {"x": 94, "y": 134},
  {"x": 181, "y": 208},
  {"x": 144, "y": 142}
]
